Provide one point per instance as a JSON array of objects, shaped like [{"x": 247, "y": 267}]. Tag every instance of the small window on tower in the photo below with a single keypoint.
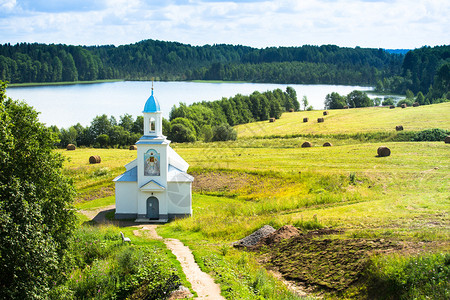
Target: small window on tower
[{"x": 152, "y": 125}]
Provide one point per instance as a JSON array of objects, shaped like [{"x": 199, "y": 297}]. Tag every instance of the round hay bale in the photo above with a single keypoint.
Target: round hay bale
[
  {"x": 305, "y": 120},
  {"x": 399, "y": 127},
  {"x": 383, "y": 151},
  {"x": 327, "y": 144},
  {"x": 320, "y": 120},
  {"x": 133, "y": 147},
  {"x": 306, "y": 145},
  {"x": 95, "y": 159},
  {"x": 291, "y": 110},
  {"x": 415, "y": 104},
  {"x": 391, "y": 106},
  {"x": 325, "y": 113},
  {"x": 447, "y": 139},
  {"x": 404, "y": 105},
  {"x": 346, "y": 107},
  {"x": 71, "y": 147},
  {"x": 271, "y": 120}
]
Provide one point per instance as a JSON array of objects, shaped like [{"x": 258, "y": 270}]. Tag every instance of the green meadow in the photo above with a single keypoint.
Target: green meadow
[{"x": 266, "y": 177}]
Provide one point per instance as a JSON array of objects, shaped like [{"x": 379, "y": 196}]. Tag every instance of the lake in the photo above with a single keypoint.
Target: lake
[{"x": 66, "y": 105}]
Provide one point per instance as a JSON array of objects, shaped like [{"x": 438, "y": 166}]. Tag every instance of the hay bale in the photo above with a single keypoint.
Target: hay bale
[
  {"x": 391, "y": 106},
  {"x": 133, "y": 147},
  {"x": 320, "y": 120},
  {"x": 404, "y": 105},
  {"x": 327, "y": 144},
  {"x": 415, "y": 104},
  {"x": 383, "y": 151},
  {"x": 305, "y": 120},
  {"x": 291, "y": 110},
  {"x": 271, "y": 120},
  {"x": 306, "y": 145},
  {"x": 447, "y": 139},
  {"x": 71, "y": 147},
  {"x": 399, "y": 127},
  {"x": 95, "y": 159},
  {"x": 346, "y": 107},
  {"x": 325, "y": 113}
]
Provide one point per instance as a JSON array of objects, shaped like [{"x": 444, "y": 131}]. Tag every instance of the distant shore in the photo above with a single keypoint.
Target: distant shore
[{"x": 29, "y": 84}]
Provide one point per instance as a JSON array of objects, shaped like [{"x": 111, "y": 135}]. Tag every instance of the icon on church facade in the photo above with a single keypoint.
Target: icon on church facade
[{"x": 151, "y": 163}]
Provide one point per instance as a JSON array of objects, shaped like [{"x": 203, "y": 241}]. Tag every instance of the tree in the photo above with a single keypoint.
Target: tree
[
  {"x": 334, "y": 101},
  {"x": 358, "y": 99},
  {"x": 224, "y": 132},
  {"x": 305, "y": 102},
  {"x": 420, "y": 98},
  {"x": 36, "y": 221}
]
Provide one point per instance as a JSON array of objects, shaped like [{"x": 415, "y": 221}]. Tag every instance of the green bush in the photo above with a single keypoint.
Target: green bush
[
  {"x": 431, "y": 135},
  {"x": 224, "y": 132},
  {"x": 387, "y": 102},
  {"x": 417, "y": 277},
  {"x": 404, "y": 101}
]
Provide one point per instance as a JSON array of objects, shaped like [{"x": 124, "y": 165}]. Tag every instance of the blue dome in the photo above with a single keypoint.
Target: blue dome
[{"x": 151, "y": 105}]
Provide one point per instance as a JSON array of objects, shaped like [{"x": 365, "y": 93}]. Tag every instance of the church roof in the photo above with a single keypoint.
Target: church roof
[
  {"x": 152, "y": 105},
  {"x": 129, "y": 175}
]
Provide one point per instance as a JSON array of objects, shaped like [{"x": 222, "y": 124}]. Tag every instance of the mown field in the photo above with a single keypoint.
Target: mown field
[{"x": 398, "y": 203}]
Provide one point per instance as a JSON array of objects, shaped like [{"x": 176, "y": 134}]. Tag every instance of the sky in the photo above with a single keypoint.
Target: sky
[{"x": 396, "y": 24}]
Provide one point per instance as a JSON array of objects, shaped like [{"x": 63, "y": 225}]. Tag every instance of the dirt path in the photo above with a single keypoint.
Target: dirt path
[{"x": 201, "y": 282}]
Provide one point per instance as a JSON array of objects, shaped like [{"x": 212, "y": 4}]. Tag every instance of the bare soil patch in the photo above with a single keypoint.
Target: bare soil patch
[{"x": 318, "y": 259}]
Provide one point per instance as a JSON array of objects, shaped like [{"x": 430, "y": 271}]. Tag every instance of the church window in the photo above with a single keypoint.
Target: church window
[{"x": 152, "y": 125}]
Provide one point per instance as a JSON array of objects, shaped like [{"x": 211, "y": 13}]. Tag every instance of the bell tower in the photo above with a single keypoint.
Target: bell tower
[{"x": 152, "y": 118}]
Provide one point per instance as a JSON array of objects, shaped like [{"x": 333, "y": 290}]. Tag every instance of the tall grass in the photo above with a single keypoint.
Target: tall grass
[{"x": 424, "y": 276}]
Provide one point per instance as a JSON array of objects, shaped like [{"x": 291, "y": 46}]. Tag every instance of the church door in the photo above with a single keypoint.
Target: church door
[{"x": 152, "y": 208}]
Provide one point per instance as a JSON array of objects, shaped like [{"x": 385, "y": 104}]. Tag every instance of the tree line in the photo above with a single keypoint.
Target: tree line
[
  {"x": 423, "y": 70},
  {"x": 205, "y": 121},
  {"x": 148, "y": 59}
]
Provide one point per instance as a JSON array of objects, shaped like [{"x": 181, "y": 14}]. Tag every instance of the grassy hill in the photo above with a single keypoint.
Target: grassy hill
[
  {"x": 397, "y": 206},
  {"x": 352, "y": 121}
]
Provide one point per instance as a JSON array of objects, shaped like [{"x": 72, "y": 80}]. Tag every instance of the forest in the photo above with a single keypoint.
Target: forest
[{"x": 425, "y": 70}]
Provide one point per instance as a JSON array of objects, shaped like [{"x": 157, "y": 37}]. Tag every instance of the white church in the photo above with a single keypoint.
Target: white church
[{"x": 155, "y": 186}]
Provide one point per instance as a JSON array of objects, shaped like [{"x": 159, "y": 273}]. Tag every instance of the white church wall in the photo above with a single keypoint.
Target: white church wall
[
  {"x": 180, "y": 199},
  {"x": 126, "y": 198}
]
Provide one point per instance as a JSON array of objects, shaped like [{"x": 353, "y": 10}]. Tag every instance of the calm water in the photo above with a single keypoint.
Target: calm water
[{"x": 67, "y": 105}]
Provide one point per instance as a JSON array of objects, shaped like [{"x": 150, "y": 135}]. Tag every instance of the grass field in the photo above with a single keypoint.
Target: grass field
[
  {"x": 245, "y": 184},
  {"x": 350, "y": 121}
]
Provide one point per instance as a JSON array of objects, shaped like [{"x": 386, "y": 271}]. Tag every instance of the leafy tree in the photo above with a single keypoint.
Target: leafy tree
[
  {"x": 334, "y": 101},
  {"x": 409, "y": 94},
  {"x": 224, "y": 132},
  {"x": 305, "y": 102},
  {"x": 420, "y": 98},
  {"x": 387, "y": 101},
  {"x": 358, "y": 99},
  {"x": 102, "y": 140},
  {"x": 180, "y": 133},
  {"x": 126, "y": 122},
  {"x": 36, "y": 220}
]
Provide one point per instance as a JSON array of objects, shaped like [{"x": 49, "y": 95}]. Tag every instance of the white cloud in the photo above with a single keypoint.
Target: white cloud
[{"x": 367, "y": 23}]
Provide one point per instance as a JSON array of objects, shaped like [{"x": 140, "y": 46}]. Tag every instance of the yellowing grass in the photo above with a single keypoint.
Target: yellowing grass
[{"x": 349, "y": 121}]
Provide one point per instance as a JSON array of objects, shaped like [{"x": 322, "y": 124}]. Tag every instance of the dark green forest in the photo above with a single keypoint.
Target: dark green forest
[
  {"x": 425, "y": 70},
  {"x": 22, "y": 63}
]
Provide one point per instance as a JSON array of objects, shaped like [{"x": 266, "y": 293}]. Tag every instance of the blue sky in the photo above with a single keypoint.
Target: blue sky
[{"x": 397, "y": 24}]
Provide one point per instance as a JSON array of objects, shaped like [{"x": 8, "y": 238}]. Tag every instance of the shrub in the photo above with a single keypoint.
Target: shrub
[
  {"x": 387, "y": 101},
  {"x": 224, "y": 132},
  {"x": 405, "y": 101},
  {"x": 431, "y": 135}
]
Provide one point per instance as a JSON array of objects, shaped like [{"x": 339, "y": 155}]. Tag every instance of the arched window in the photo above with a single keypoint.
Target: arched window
[{"x": 152, "y": 125}]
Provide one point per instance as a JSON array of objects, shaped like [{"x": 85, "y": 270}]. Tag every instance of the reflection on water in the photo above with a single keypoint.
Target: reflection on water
[{"x": 67, "y": 105}]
